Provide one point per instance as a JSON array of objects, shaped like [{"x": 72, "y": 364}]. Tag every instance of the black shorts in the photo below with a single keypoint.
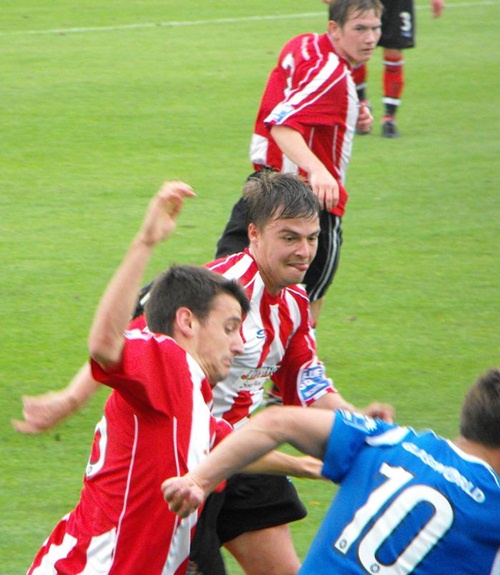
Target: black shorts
[
  {"x": 398, "y": 24},
  {"x": 322, "y": 270},
  {"x": 250, "y": 502}
]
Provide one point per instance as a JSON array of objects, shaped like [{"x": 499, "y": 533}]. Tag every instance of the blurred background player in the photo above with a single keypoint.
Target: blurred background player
[
  {"x": 398, "y": 34},
  {"x": 305, "y": 124}
]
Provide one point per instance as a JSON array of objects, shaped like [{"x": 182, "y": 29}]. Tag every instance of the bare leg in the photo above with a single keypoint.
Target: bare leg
[{"x": 265, "y": 552}]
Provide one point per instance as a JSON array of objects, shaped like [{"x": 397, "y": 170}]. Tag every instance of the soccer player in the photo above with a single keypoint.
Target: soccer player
[
  {"x": 253, "y": 512},
  {"x": 157, "y": 420},
  {"x": 398, "y": 34},
  {"x": 409, "y": 502},
  {"x": 306, "y": 122}
]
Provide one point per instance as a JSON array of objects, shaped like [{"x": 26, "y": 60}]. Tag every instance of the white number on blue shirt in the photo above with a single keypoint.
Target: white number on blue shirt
[{"x": 387, "y": 523}]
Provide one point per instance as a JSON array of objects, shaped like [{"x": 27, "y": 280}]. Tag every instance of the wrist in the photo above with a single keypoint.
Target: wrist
[{"x": 205, "y": 485}]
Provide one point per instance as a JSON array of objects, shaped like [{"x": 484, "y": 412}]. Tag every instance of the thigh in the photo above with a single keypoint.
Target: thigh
[
  {"x": 322, "y": 270},
  {"x": 266, "y": 552},
  {"x": 398, "y": 24}
]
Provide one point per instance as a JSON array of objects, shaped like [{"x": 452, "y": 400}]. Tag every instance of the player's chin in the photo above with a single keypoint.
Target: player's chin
[
  {"x": 217, "y": 375},
  {"x": 297, "y": 277},
  {"x": 224, "y": 370}
]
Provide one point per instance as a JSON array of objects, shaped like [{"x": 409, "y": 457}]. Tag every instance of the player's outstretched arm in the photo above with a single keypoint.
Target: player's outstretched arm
[
  {"x": 45, "y": 411},
  {"x": 307, "y": 430},
  {"x": 106, "y": 338},
  {"x": 278, "y": 463}
]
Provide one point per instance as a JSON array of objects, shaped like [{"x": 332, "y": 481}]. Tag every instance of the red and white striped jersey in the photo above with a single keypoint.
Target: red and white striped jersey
[
  {"x": 310, "y": 90},
  {"x": 279, "y": 345},
  {"x": 157, "y": 423}
]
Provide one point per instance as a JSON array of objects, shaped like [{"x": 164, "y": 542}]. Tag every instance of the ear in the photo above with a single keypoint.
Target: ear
[
  {"x": 184, "y": 321},
  {"x": 253, "y": 233},
  {"x": 334, "y": 29}
]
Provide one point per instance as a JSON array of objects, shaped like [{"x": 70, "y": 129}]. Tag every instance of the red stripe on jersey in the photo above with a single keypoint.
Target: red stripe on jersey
[{"x": 278, "y": 338}]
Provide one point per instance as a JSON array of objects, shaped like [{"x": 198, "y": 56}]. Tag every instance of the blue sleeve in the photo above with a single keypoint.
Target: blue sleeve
[{"x": 349, "y": 435}]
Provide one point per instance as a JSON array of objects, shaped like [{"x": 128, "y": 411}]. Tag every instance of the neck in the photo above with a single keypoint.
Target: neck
[
  {"x": 270, "y": 286},
  {"x": 488, "y": 454},
  {"x": 337, "y": 50}
]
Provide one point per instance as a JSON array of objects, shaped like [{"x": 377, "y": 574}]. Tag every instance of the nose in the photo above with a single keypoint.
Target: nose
[
  {"x": 373, "y": 35},
  {"x": 303, "y": 248}
]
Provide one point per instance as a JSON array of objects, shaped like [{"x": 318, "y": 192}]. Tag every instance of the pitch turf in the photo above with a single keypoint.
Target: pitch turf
[{"x": 102, "y": 101}]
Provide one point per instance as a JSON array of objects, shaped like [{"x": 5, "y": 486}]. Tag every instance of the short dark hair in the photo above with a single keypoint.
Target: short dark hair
[
  {"x": 480, "y": 417},
  {"x": 193, "y": 287},
  {"x": 340, "y": 10},
  {"x": 273, "y": 195}
]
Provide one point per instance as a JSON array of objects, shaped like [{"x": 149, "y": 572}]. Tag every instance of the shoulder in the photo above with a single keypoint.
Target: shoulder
[
  {"x": 239, "y": 267},
  {"x": 298, "y": 295},
  {"x": 298, "y": 292},
  {"x": 303, "y": 47},
  {"x": 140, "y": 342},
  {"x": 353, "y": 434},
  {"x": 369, "y": 430},
  {"x": 234, "y": 265}
]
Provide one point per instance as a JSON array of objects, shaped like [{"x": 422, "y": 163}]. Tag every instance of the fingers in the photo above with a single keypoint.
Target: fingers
[
  {"x": 328, "y": 197},
  {"x": 182, "y": 495},
  {"x": 25, "y": 427},
  {"x": 313, "y": 467},
  {"x": 41, "y": 413},
  {"x": 160, "y": 219},
  {"x": 172, "y": 194},
  {"x": 325, "y": 188},
  {"x": 365, "y": 119},
  {"x": 176, "y": 186},
  {"x": 381, "y": 411}
]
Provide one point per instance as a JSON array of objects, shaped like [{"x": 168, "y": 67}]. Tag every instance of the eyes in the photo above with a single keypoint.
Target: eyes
[
  {"x": 232, "y": 327},
  {"x": 365, "y": 29},
  {"x": 291, "y": 239}
]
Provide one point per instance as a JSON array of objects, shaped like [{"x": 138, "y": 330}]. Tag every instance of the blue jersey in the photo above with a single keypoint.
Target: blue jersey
[{"x": 408, "y": 502}]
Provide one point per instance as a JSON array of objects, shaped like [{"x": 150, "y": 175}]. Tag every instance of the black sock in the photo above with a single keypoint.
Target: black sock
[{"x": 390, "y": 110}]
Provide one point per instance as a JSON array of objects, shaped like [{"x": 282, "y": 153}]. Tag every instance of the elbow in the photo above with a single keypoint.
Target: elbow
[
  {"x": 104, "y": 351},
  {"x": 276, "y": 421}
]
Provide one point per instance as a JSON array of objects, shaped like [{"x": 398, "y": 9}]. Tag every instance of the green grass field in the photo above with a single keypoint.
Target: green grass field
[{"x": 103, "y": 100}]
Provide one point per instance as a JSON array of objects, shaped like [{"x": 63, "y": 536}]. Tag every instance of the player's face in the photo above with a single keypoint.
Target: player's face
[
  {"x": 284, "y": 249},
  {"x": 218, "y": 338},
  {"x": 358, "y": 38}
]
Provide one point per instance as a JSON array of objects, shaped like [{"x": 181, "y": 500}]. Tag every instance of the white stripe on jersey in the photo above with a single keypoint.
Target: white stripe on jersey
[
  {"x": 236, "y": 271},
  {"x": 324, "y": 78},
  {"x": 54, "y": 553},
  {"x": 265, "y": 343},
  {"x": 100, "y": 554}
]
